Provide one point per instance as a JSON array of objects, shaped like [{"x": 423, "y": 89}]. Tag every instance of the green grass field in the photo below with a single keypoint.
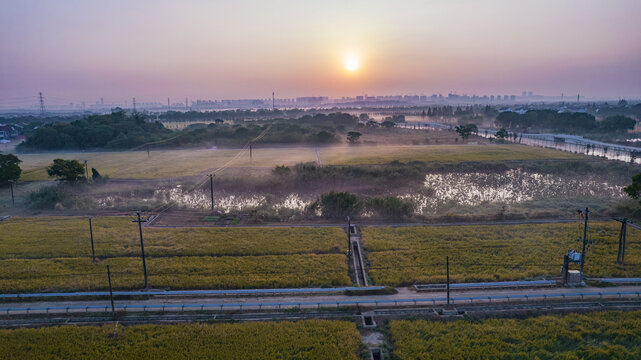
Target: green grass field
[
  {"x": 309, "y": 339},
  {"x": 54, "y": 253},
  {"x": 599, "y": 335},
  {"x": 177, "y": 163},
  {"x": 410, "y": 255}
]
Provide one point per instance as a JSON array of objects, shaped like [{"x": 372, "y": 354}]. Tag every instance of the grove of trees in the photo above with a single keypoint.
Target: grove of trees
[
  {"x": 119, "y": 131},
  {"x": 112, "y": 131},
  {"x": 552, "y": 120}
]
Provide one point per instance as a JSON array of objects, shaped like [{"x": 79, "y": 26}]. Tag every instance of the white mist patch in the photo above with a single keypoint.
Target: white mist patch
[
  {"x": 292, "y": 202},
  {"x": 236, "y": 203},
  {"x": 511, "y": 187}
]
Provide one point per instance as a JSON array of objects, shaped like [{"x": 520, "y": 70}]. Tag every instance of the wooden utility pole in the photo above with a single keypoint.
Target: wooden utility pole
[
  {"x": 13, "y": 201},
  {"x": 447, "y": 266},
  {"x": 622, "y": 236},
  {"x": 111, "y": 294},
  {"x": 142, "y": 248},
  {"x": 251, "y": 158},
  {"x": 211, "y": 190},
  {"x": 585, "y": 240},
  {"x": 349, "y": 232},
  {"x": 93, "y": 253}
]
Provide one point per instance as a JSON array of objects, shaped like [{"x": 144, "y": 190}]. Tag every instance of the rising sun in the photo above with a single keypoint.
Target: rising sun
[{"x": 351, "y": 63}]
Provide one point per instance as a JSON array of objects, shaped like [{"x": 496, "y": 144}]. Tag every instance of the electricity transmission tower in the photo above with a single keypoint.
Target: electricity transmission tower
[{"x": 42, "y": 104}]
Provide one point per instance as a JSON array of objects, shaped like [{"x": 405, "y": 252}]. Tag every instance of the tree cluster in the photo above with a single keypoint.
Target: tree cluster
[
  {"x": 9, "y": 169},
  {"x": 120, "y": 131},
  {"x": 112, "y": 131},
  {"x": 562, "y": 122}
]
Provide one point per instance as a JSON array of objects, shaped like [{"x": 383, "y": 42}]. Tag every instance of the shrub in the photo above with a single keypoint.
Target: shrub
[
  {"x": 48, "y": 197},
  {"x": 282, "y": 171},
  {"x": 339, "y": 204},
  {"x": 390, "y": 207}
]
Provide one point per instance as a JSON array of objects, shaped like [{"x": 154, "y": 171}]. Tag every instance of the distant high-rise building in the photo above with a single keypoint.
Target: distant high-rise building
[
  {"x": 498, "y": 97},
  {"x": 491, "y": 97},
  {"x": 513, "y": 97},
  {"x": 529, "y": 94},
  {"x": 523, "y": 93},
  {"x": 506, "y": 97},
  {"x": 102, "y": 101}
]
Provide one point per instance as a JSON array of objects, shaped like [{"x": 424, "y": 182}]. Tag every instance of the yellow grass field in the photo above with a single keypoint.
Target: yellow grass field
[
  {"x": 54, "y": 253},
  {"x": 177, "y": 163},
  {"x": 306, "y": 339},
  {"x": 55, "y": 237},
  {"x": 410, "y": 255},
  {"x": 177, "y": 272},
  {"x": 597, "y": 335}
]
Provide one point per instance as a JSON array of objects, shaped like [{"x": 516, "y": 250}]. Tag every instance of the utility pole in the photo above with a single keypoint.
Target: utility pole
[
  {"x": 168, "y": 106},
  {"x": 142, "y": 247},
  {"x": 13, "y": 201},
  {"x": 585, "y": 240},
  {"x": 447, "y": 267},
  {"x": 349, "y": 232},
  {"x": 111, "y": 294},
  {"x": 273, "y": 101},
  {"x": 211, "y": 190},
  {"x": 86, "y": 171},
  {"x": 622, "y": 236},
  {"x": 42, "y": 104},
  {"x": 93, "y": 253},
  {"x": 251, "y": 158}
]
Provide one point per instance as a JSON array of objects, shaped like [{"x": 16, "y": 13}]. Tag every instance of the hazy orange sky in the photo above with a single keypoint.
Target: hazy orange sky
[{"x": 84, "y": 50}]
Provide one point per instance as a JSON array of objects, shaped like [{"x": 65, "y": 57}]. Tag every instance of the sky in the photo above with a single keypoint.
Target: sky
[{"x": 83, "y": 50}]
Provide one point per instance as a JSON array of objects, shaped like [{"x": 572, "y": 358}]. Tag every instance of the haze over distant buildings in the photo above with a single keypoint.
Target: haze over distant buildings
[{"x": 77, "y": 51}]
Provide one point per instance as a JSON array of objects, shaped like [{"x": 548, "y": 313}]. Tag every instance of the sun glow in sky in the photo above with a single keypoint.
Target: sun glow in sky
[
  {"x": 352, "y": 63},
  {"x": 204, "y": 49}
]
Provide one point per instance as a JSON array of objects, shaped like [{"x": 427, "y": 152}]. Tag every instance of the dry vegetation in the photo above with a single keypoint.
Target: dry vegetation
[
  {"x": 178, "y": 163},
  {"x": 439, "y": 153},
  {"x": 54, "y": 253},
  {"x": 178, "y": 272},
  {"x": 56, "y": 237},
  {"x": 599, "y": 335},
  {"x": 309, "y": 339},
  {"x": 412, "y": 255}
]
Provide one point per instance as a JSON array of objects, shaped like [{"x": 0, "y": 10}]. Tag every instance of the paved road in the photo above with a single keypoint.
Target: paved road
[{"x": 403, "y": 294}]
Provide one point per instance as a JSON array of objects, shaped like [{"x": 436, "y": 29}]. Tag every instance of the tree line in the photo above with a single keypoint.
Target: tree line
[
  {"x": 551, "y": 120},
  {"x": 111, "y": 131},
  {"x": 120, "y": 131}
]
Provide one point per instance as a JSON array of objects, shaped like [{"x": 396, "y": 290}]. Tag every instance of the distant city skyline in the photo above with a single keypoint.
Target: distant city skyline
[
  {"x": 83, "y": 51},
  {"x": 366, "y": 100}
]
